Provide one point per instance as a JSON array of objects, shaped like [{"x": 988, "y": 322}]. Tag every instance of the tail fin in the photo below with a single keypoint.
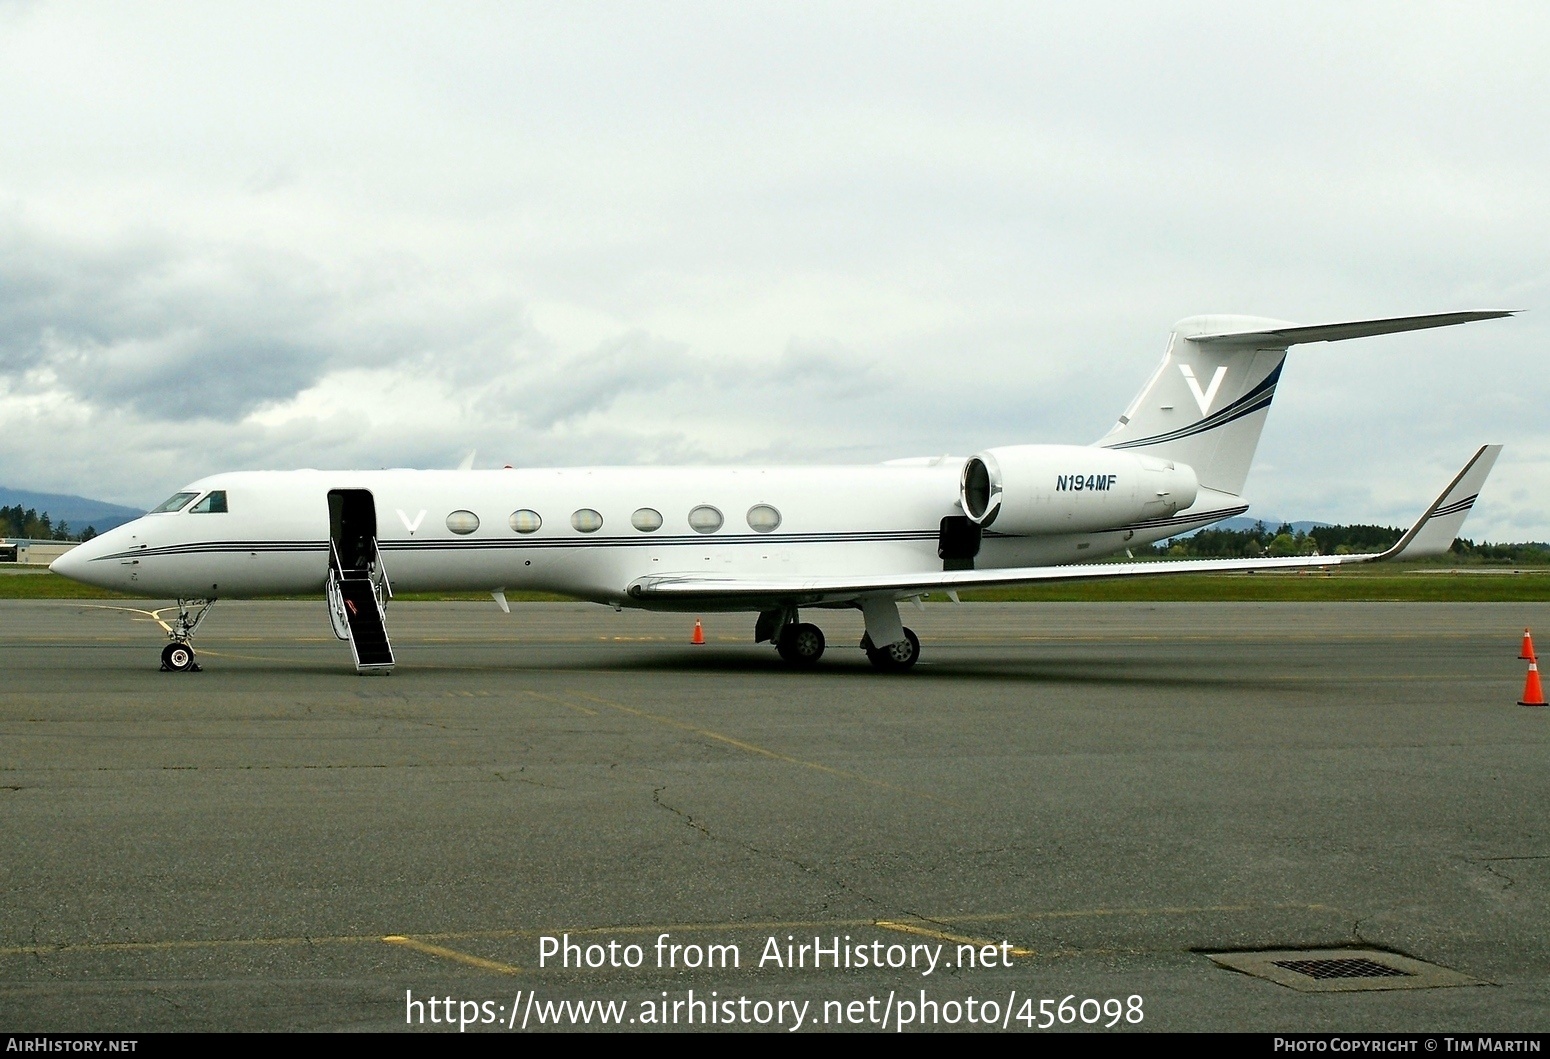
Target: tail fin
[{"x": 1207, "y": 403}]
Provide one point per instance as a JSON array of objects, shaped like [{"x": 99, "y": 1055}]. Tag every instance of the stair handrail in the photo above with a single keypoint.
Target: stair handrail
[{"x": 384, "y": 586}]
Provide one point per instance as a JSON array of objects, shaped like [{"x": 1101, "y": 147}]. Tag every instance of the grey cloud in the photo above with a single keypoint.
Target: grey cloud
[
  {"x": 200, "y": 332},
  {"x": 655, "y": 377},
  {"x": 194, "y": 376},
  {"x": 546, "y": 391},
  {"x": 145, "y": 328}
]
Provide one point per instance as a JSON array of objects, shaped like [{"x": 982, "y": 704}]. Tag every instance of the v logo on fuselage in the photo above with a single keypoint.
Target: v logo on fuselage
[
  {"x": 411, "y": 526},
  {"x": 1205, "y": 397}
]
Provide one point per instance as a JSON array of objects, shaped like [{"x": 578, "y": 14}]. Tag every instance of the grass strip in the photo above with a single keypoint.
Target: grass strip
[{"x": 1387, "y": 584}]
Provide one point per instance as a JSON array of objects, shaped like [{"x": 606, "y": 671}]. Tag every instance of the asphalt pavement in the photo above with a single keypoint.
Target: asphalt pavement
[{"x": 1062, "y": 802}]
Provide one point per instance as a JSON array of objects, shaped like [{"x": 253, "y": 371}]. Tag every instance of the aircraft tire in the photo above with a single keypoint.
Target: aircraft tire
[
  {"x": 801, "y": 644},
  {"x": 895, "y": 658},
  {"x": 178, "y": 658}
]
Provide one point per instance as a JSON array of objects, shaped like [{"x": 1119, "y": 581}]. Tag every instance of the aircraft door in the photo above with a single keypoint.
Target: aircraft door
[
  {"x": 958, "y": 542},
  {"x": 352, "y": 523}
]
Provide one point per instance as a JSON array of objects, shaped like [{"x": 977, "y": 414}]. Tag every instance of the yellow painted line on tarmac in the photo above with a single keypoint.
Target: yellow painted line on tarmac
[
  {"x": 942, "y": 935},
  {"x": 759, "y": 751},
  {"x": 585, "y": 711},
  {"x": 847, "y": 924},
  {"x": 452, "y": 954},
  {"x": 174, "y": 946},
  {"x": 205, "y": 652},
  {"x": 1162, "y": 910},
  {"x": 149, "y": 615},
  {"x": 424, "y": 942}
]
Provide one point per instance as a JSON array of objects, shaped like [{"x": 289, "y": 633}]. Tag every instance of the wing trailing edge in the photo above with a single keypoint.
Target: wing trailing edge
[{"x": 1432, "y": 534}]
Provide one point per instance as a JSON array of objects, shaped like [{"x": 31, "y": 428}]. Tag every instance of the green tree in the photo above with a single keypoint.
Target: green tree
[{"x": 1282, "y": 545}]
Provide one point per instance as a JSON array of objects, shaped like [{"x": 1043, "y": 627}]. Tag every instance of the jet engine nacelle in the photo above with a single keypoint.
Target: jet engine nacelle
[{"x": 1037, "y": 489}]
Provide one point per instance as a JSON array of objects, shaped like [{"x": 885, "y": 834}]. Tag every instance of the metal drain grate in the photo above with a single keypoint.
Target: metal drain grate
[
  {"x": 1340, "y": 970},
  {"x": 1351, "y": 967}
]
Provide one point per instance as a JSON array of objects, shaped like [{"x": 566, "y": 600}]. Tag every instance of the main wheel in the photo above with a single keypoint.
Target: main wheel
[
  {"x": 895, "y": 658},
  {"x": 177, "y": 657},
  {"x": 801, "y": 644}
]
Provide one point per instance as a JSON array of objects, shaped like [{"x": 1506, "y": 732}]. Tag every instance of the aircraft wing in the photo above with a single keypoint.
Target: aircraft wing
[{"x": 1432, "y": 534}]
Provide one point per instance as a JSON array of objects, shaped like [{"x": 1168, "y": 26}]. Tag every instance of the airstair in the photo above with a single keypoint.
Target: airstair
[{"x": 357, "y": 605}]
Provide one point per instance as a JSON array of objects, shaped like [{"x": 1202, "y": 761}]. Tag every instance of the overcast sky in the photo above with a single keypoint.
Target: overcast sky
[{"x": 277, "y": 236}]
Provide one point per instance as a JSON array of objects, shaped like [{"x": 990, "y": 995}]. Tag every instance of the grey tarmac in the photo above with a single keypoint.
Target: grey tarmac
[{"x": 1111, "y": 789}]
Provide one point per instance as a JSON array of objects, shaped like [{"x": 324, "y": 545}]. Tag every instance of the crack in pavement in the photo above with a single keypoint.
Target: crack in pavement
[
  {"x": 807, "y": 869},
  {"x": 1490, "y": 863}
]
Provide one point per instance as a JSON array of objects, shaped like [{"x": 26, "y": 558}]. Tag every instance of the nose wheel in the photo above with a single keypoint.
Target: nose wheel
[{"x": 178, "y": 658}]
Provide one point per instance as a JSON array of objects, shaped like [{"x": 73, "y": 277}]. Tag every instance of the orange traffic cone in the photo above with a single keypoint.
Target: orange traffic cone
[
  {"x": 1533, "y": 694},
  {"x": 1528, "y": 647},
  {"x": 699, "y": 633}
]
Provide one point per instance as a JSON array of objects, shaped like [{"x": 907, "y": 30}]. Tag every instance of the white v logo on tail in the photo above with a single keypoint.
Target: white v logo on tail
[{"x": 1204, "y": 399}]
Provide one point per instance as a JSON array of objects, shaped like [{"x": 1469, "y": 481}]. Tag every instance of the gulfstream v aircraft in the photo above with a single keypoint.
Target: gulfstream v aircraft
[{"x": 766, "y": 540}]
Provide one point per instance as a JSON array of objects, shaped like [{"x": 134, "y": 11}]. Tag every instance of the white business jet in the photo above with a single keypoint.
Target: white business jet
[{"x": 766, "y": 540}]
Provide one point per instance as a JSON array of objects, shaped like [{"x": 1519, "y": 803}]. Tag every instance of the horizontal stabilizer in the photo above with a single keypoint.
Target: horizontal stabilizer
[
  {"x": 1290, "y": 336},
  {"x": 1432, "y": 534}
]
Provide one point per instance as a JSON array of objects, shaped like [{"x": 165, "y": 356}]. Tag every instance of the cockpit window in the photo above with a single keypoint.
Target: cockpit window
[
  {"x": 215, "y": 503},
  {"x": 174, "y": 502}
]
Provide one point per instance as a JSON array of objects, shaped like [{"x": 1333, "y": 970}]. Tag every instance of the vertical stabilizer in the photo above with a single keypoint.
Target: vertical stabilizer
[{"x": 1206, "y": 405}]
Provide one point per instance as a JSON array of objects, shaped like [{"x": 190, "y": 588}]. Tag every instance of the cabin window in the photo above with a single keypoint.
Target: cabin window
[
  {"x": 762, "y": 518},
  {"x": 586, "y": 521},
  {"x": 174, "y": 502},
  {"x": 525, "y": 521},
  {"x": 646, "y": 519},
  {"x": 462, "y": 522},
  {"x": 705, "y": 519},
  {"x": 213, "y": 504}
]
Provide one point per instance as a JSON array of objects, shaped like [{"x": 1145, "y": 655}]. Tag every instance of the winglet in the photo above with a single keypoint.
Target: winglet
[{"x": 1433, "y": 532}]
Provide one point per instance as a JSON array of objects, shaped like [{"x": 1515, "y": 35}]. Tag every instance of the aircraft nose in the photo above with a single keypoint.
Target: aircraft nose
[
  {"x": 77, "y": 564},
  {"x": 71, "y": 564}
]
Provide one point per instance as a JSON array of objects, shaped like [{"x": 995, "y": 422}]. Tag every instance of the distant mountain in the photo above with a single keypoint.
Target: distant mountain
[
  {"x": 78, "y": 511},
  {"x": 1244, "y": 522}
]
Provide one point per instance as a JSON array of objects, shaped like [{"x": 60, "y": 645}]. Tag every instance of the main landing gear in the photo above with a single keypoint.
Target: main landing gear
[
  {"x": 896, "y": 657},
  {"x": 178, "y": 656},
  {"x": 900, "y": 646},
  {"x": 800, "y": 644}
]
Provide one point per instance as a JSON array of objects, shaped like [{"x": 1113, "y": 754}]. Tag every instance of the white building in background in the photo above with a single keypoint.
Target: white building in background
[{"x": 25, "y": 552}]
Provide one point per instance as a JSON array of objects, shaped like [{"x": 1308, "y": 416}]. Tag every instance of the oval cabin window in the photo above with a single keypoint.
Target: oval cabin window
[
  {"x": 647, "y": 519},
  {"x": 586, "y": 521},
  {"x": 525, "y": 521},
  {"x": 762, "y": 518},
  {"x": 705, "y": 519},
  {"x": 462, "y": 522}
]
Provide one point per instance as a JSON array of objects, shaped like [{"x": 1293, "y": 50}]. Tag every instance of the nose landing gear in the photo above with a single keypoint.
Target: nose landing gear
[{"x": 178, "y": 656}]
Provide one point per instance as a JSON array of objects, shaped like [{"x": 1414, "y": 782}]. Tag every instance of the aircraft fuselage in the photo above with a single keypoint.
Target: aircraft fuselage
[{"x": 273, "y": 538}]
